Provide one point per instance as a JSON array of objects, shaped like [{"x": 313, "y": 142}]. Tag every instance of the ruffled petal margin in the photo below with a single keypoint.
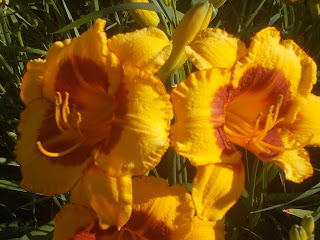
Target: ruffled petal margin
[
  {"x": 216, "y": 188},
  {"x": 199, "y": 108},
  {"x": 295, "y": 163},
  {"x": 214, "y": 47},
  {"x": 147, "y": 48},
  {"x": 142, "y": 119},
  {"x": 307, "y": 122},
  {"x": 31, "y": 87}
]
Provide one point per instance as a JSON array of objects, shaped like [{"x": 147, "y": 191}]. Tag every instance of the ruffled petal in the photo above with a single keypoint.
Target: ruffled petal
[
  {"x": 269, "y": 70},
  {"x": 206, "y": 230},
  {"x": 110, "y": 198},
  {"x": 295, "y": 163},
  {"x": 147, "y": 48},
  {"x": 216, "y": 188},
  {"x": 214, "y": 47},
  {"x": 74, "y": 222},
  {"x": 307, "y": 122},
  {"x": 159, "y": 211},
  {"x": 140, "y": 126},
  {"x": 41, "y": 173},
  {"x": 199, "y": 108},
  {"x": 31, "y": 87}
]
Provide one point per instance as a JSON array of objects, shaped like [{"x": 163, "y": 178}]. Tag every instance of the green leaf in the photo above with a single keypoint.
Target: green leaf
[
  {"x": 298, "y": 212},
  {"x": 6, "y": 184}
]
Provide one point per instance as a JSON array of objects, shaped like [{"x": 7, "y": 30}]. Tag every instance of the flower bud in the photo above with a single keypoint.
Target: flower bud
[
  {"x": 308, "y": 224},
  {"x": 196, "y": 19},
  {"x": 297, "y": 233},
  {"x": 167, "y": 2},
  {"x": 145, "y": 18},
  {"x": 314, "y": 6}
]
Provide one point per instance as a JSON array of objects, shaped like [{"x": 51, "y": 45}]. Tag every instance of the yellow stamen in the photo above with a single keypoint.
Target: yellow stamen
[
  {"x": 58, "y": 101},
  {"x": 277, "y": 148},
  {"x": 66, "y": 122},
  {"x": 65, "y": 109},
  {"x": 60, "y": 154},
  {"x": 268, "y": 124}
]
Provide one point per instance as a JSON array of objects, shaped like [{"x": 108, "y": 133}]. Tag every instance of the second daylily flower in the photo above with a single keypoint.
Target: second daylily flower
[
  {"x": 258, "y": 98},
  {"x": 159, "y": 212}
]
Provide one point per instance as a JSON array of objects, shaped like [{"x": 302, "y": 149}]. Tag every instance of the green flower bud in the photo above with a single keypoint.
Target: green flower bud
[
  {"x": 144, "y": 18},
  {"x": 297, "y": 233},
  {"x": 196, "y": 19},
  {"x": 308, "y": 224}
]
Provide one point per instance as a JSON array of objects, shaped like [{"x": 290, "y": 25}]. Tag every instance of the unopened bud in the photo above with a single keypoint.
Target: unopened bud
[
  {"x": 196, "y": 19},
  {"x": 308, "y": 224},
  {"x": 167, "y": 2},
  {"x": 297, "y": 233},
  {"x": 145, "y": 18}
]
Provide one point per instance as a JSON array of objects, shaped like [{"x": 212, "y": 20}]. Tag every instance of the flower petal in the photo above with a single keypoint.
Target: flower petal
[
  {"x": 214, "y": 47},
  {"x": 140, "y": 126},
  {"x": 271, "y": 69},
  {"x": 206, "y": 230},
  {"x": 74, "y": 222},
  {"x": 295, "y": 163},
  {"x": 77, "y": 67},
  {"x": 159, "y": 211},
  {"x": 31, "y": 88},
  {"x": 41, "y": 173},
  {"x": 110, "y": 198},
  {"x": 199, "y": 108},
  {"x": 307, "y": 122},
  {"x": 216, "y": 188},
  {"x": 147, "y": 48}
]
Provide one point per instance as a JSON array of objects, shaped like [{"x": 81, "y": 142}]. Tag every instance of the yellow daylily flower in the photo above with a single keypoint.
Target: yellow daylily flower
[
  {"x": 258, "y": 98},
  {"x": 158, "y": 212},
  {"x": 94, "y": 102},
  {"x": 145, "y": 18}
]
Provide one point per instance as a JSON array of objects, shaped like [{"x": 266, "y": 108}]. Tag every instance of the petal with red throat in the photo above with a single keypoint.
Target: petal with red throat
[{"x": 199, "y": 108}]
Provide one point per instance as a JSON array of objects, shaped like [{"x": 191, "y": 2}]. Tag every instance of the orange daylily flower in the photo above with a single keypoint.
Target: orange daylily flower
[
  {"x": 94, "y": 102},
  {"x": 159, "y": 212},
  {"x": 258, "y": 98}
]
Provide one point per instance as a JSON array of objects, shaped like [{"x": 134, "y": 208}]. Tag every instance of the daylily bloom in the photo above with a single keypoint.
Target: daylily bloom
[
  {"x": 258, "y": 98},
  {"x": 145, "y": 18},
  {"x": 94, "y": 102},
  {"x": 159, "y": 212}
]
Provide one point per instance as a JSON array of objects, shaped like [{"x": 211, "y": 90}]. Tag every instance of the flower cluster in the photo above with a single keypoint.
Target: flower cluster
[{"x": 98, "y": 118}]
